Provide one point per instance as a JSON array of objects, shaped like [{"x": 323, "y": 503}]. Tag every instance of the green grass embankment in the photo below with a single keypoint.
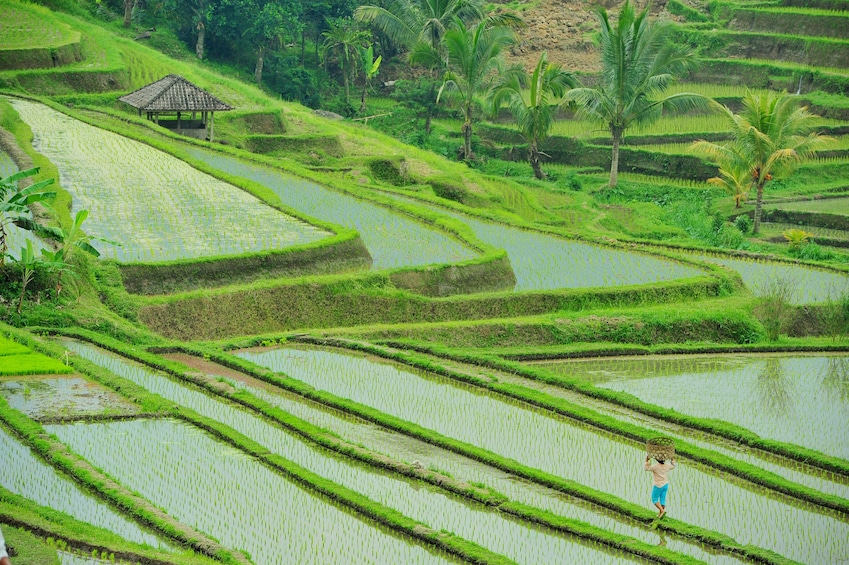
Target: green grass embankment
[
  {"x": 318, "y": 436},
  {"x": 59, "y": 455}
]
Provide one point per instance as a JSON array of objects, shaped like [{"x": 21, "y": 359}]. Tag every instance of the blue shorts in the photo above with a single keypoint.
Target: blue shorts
[{"x": 658, "y": 494}]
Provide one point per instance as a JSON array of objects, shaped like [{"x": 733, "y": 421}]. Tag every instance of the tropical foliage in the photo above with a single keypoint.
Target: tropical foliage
[
  {"x": 638, "y": 65},
  {"x": 532, "y": 99},
  {"x": 770, "y": 137},
  {"x": 15, "y": 202}
]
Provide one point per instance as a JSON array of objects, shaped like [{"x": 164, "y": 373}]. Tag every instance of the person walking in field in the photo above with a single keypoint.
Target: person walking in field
[
  {"x": 4, "y": 557},
  {"x": 660, "y": 477}
]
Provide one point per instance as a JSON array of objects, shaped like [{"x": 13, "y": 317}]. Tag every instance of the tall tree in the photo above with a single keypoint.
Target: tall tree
[
  {"x": 638, "y": 65},
  {"x": 472, "y": 60},
  {"x": 532, "y": 99},
  {"x": 770, "y": 137},
  {"x": 407, "y": 22},
  {"x": 266, "y": 23},
  {"x": 343, "y": 42}
]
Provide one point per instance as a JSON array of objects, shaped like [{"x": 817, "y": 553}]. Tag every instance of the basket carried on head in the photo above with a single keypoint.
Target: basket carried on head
[{"x": 661, "y": 448}]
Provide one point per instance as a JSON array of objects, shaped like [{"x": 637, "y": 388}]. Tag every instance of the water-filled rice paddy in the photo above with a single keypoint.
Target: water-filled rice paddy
[
  {"x": 556, "y": 445},
  {"x": 802, "y": 400},
  {"x": 518, "y": 541},
  {"x": 233, "y": 497},
  {"x": 808, "y": 285},
  {"x": 815, "y": 230},
  {"x": 403, "y": 448},
  {"x": 392, "y": 238},
  {"x": 545, "y": 262},
  {"x": 63, "y": 397},
  {"x": 26, "y": 475},
  {"x": 156, "y": 206}
]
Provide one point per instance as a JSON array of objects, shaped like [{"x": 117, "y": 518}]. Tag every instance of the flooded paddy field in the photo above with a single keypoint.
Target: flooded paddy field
[
  {"x": 403, "y": 448},
  {"x": 56, "y": 398},
  {"x": 519, "y": 541},
  {"x": 26, "y": 475},
  {"x": 800, "y": 399},
  {"x": 701, "y": 496},
  {"x": 223, "y": 492},
  {"x": 393, "y": 239}
]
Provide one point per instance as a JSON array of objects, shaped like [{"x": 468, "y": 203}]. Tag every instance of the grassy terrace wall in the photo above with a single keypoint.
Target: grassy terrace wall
[
  {"x": 813, "y": 51},
  {"x": 340, "y": 253},
  {"x": 790, "y": 21},
  {"x": 328, "y": 143},
  {"x": 372, "y": 299},
  {"x": 41, "y": 57},
  {"x": 755, "y": 74}
]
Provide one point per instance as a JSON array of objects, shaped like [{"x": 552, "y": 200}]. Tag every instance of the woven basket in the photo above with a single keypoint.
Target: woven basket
[{"x": 661, "y": 448}]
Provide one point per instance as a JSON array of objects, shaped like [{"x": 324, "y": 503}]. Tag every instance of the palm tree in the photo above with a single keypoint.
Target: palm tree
[
  {"x": 407, "y": 22},
  {"x": 534, "y": 111},
  {"x": 15, "y": 202},
  {"x": 638, "y": 65},
  {"x": 770, "y": 137},
  {"x": 343, "y": 41},
  {"x": 472, "y": 60}
]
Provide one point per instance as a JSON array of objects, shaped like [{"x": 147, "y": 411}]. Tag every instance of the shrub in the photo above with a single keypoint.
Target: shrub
[
  {"x": 796, "y": 238},
  {"x": 743, "y": 223},
  {"x": 448, "y": 188},
  {"x": 775, "y": 305},
  {"x": 297, "y": 84},
  {"x": 834, "y": 314}
]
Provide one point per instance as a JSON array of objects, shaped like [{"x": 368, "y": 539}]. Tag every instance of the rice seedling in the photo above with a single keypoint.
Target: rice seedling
[
  {"x": 31, "y": 364},
  {"x": 515, "y": 540},
  {"x": 155, "y": 205},
  {"x": 775, "y": 393},
  {"x": 261, "y": 512},
  {"x": 26, "y": 475},
  {"x": 563, "y": 448},
  {"x": 593, "y": 373},
  {"x": 769, "y": 227},
  {"x": 402, "y": 448},
  {"x": 393, "y": 239},
  {"x": 542, "y": 261},
  {"x": 9, "y": 347},
  {"x": 810, "y": 285}
]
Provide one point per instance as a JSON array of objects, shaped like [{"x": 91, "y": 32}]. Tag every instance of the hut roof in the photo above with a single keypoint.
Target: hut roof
[{"x": 173, "y": 93}]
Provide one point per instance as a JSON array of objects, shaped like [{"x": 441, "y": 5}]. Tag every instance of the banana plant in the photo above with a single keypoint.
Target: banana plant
[
  {"x": 15, "y": 202},
  {"x": 371, "y": 67},
  {"x": 51, "y": 261}
]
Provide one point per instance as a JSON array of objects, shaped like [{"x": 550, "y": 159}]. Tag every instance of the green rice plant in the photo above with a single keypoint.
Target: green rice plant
[
  {"x": 776, "y": 294},
  {"x": 30, "y": 26},
  {"x": 28, "y": 476},
  {"x": 838, "y": 206},
  {"x": 31, "y": 364},
  {"x": 9, "y": 347},
  {"x": 539, "y": 440},
  {"x": 164, "y": 209}
]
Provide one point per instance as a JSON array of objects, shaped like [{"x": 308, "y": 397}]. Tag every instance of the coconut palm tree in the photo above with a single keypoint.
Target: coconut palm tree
[
  {"x": 638, "y": 65},
  {"x": 770, "y": 137},
  {"x": 533, "y": 110},
  {"x": 472, "y": 58},
  {"x": 407, "y": 22},
  {"x": 343, "y": 41}
]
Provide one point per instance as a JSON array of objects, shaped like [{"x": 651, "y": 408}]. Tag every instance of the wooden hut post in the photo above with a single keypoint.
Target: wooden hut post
[{"x": 211, "y": 126}]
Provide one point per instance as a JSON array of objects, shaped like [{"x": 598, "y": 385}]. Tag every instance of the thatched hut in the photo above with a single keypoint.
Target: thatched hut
[{"x": 179, "y": 105}]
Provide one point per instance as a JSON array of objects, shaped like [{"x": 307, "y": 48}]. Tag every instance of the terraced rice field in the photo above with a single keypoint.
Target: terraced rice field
[
  {"x": 393, "y": 239},
  {"x": 809, "y": 285},
  {"x": 63, "y": 397},
  {"x": 403, "y": 448},
  {"x": 521, "y": 543},
  {"x": 21, "y": 29},
  {"x": 26, "y": 475},
  {"x": 772, "y": 395},
  {"x": 561, "y": 447},
  {"x": 197, "y": 487},
  {"x": 546, "y": 262},
  {"x": 839, "y": 206},
  {"x": 156, "y": 206}
]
